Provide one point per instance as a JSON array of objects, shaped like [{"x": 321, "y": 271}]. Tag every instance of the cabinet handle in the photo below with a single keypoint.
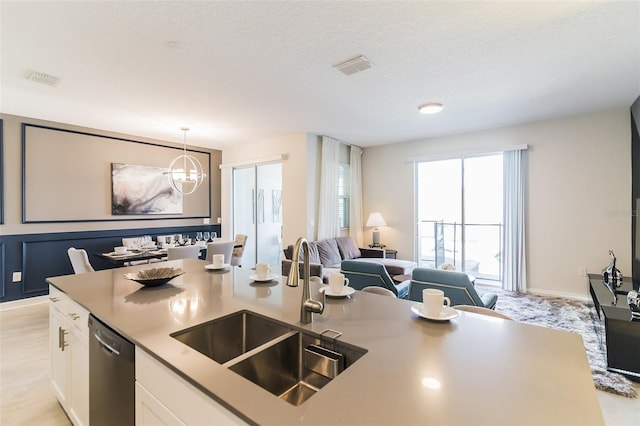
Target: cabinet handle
[
  {"x": 54, "y": 299},
  {"x": 63, "y": 344},
  {"x": 74, "y": 316}
]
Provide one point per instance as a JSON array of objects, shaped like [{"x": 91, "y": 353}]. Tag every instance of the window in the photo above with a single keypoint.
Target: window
[
  {"x": 343, "y": 195},
  {"x": 460, "y": 214}
]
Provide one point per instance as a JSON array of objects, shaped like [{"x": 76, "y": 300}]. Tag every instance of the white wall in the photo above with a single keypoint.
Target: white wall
[
  {"x": 298, "y": 180},
  {"x": 579, "y": 193}
]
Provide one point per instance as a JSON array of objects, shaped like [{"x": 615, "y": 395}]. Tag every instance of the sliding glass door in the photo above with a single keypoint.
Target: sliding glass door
[
  {"x": 459, "y": 210},
  {"x": 257, "y": 212}
]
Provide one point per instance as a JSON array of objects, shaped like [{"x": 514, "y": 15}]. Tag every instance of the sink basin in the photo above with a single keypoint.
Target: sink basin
[
  {"x": 285, "y": 369},
  {"x": 229, "y": 337},
  {"x": 291, "y": 363}
]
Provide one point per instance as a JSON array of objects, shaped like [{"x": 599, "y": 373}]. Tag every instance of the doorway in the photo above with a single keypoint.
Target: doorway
[
  {"x": 460, "y": 214},
  {"x": 257, "y": 212}
]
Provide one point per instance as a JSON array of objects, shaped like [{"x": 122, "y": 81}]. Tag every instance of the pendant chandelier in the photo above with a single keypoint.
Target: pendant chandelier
[{"x": 185, "y": 171}]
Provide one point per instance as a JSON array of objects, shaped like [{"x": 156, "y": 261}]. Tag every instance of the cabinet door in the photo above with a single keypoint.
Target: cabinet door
[
  {"x": 60, "y": 360},
  {"x": 79, "y": 404},
  {"x": 150, "y": 411}
]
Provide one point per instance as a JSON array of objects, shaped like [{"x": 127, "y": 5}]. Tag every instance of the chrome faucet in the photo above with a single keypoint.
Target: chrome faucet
[{"x": 308, "y": 305}]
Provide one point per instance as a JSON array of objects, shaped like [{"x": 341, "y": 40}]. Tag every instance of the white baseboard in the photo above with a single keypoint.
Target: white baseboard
[
  {"x": 21, "y": 303},
  {"x": 545, "y": 292}
]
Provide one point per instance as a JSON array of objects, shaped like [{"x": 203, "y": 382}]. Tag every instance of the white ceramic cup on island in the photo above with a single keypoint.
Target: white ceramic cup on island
[
  {"x": 218, "y": 260},
  {"x": 263, "y": 271},
  {"x": 433, "y": 301},
  {"x": 120, "y": 250},
  {"x": 337, "y": 282}
]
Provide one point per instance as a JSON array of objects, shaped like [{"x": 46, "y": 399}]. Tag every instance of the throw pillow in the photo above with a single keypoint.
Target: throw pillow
[{"x": 348, "y": 248}]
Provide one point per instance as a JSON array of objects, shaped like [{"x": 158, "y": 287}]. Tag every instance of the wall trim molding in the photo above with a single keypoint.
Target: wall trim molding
[
  {"x": 127, "y": 218},
  {"x": 21, "y": 303}
]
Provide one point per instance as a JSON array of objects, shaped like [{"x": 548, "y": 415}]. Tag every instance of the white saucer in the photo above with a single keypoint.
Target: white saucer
[
  {"x": 446, "y": 313},
  {"x": 255, "y": 278},
  {"x": 346, "y": 291},
  {"x": 215, "y": 268}
]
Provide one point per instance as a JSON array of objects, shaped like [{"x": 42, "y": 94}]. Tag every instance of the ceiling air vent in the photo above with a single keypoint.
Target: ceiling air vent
[
  {"x": 354, "y": 65},
  {"x": 42, "y": 78}
]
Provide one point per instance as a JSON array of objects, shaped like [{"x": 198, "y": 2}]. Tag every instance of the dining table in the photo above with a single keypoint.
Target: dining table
[{"x": 135, "y": 255}]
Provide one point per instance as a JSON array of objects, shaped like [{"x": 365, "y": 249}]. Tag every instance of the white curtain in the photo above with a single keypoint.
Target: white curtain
[
  {"x": 355, "y": 196},
  {"x": 514, "y": 270},
  {"x": 328, "y": 213}
]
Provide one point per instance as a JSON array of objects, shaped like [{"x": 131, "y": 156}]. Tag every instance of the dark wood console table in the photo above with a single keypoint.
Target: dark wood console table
[{"x": 622, "y": 333}]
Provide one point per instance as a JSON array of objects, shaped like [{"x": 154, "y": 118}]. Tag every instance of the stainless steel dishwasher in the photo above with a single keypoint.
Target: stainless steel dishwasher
[{"x": 111, "y": 376}]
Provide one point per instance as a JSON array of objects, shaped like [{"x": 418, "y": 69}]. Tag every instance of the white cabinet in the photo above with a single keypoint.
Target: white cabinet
[
  {"x": 163, "y": 397},
  {"x": 68, "y": 335}
]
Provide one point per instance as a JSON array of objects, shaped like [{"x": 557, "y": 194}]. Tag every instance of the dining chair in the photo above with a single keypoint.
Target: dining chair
[
  {"x": 220, "y": 247},
  {"x": 183, "y": 252},
  {"x": 379, "y": 290},
  {"x": 238, "y": 249},
  {"x": 363, "y": 274},
  {"x": 79, "y": 260},
  {"x": 455, "y": 285},
  {"x": 482, "y": 311}
]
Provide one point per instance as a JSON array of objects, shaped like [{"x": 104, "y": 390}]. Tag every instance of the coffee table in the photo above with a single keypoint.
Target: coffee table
[{"x": 622, "y": 332}]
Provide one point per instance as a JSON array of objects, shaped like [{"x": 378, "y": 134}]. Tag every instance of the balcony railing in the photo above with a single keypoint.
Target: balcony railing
[{"x": 479, "y": 255}]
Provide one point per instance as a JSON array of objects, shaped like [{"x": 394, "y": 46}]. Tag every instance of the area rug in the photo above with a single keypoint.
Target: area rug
[{"x": 569, "y": 315}]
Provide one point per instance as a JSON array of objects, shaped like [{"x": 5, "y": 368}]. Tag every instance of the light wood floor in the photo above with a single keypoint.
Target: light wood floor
[{"x": 26, "y": 397}]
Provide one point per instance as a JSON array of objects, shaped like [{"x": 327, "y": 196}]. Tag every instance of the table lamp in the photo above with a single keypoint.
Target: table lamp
[{"x": 375, "y": 219}]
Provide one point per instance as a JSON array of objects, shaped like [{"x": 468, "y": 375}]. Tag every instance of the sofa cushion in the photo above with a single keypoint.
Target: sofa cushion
[
  {"x": 393, "y": 266},
  {"x": 328, "y": 251},
  {"x": 348, "y": 248},
  {"x": 314, "y": 256}
]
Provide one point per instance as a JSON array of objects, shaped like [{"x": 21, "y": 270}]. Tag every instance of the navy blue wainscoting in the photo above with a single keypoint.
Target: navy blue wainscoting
[{"x": 38, "y": 256}]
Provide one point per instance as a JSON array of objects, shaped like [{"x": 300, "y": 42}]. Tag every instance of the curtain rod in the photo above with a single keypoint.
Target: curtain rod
[
  {"x": 342, "y": 142},
  {"x": 264, "y": 160},
  {"x": 450, "y": 155}
]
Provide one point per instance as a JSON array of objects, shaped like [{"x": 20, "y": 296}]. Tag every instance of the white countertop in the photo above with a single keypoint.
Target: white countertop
[{"x": 472, "y": 370}]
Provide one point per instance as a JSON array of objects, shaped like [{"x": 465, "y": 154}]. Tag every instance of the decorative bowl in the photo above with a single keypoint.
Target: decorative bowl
[{"x": 154, "y": 276}]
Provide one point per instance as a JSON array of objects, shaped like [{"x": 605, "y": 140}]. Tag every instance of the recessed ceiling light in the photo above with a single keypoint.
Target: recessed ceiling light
[{"x": 430, "y": 108}]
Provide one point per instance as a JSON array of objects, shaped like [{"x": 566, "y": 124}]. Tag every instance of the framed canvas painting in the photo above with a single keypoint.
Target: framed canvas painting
[{"x": 142, "y": 190}]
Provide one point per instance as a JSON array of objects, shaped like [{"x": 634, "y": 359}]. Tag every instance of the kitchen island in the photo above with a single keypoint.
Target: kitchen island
[{"x": 470, "y": 370}]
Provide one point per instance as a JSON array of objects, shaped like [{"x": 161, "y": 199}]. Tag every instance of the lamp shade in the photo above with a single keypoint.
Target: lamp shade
[{"x": 375, "y": 219}]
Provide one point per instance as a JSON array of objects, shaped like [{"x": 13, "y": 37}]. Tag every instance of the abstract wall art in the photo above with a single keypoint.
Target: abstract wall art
[{"x": 142, "y": 190}]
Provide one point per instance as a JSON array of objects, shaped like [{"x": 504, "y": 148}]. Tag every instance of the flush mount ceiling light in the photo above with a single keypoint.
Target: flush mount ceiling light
[
  {"x": 185, "y": 171},
  {"x": 430, "y": 108}
]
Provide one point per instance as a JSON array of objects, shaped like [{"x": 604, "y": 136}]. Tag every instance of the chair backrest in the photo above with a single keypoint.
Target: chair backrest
[
  {"x": 79, "y": 260},
  {"x": 455, "y": 285},
  {"x": 378, "y": 290},
  {"x": 220, "y": 247},
  {"x": 183, "y": 252},
  {"x": 238, "y": 249},
  {"x": 483, "y": 311},
  {"x": 363, "y": 274}
]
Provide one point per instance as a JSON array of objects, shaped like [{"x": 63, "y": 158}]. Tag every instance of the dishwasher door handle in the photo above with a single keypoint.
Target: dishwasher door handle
[{"x": 105, "y": 344}]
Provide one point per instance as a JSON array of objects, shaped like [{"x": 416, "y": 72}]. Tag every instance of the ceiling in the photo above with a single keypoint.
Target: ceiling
[{"x": 242, "y": 71}]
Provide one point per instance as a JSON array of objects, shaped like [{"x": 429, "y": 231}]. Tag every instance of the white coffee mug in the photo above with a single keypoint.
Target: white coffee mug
[
  {"x": 263, "y": 270},
  {"x": 433, "y": 301},
  {"x": 218, "y": 260},
  {"x": 337, "y": 282}
]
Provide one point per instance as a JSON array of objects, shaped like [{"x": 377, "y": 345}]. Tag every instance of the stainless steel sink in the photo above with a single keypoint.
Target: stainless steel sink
[
  {"x": 291, "y": 363},
  {"x": 283, "y": 368},
  {"x": 229, "y": 337}
]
